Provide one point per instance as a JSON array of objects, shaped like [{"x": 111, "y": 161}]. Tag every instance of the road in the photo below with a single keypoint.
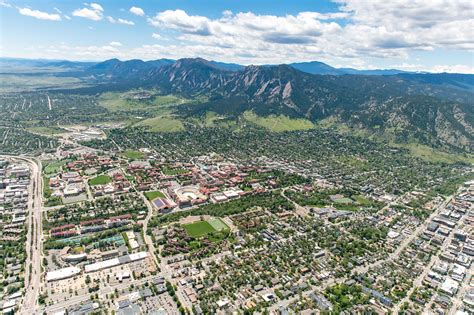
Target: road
[
  {"x": 34, "y": 238},
  {"x": 416, "y": 233},
  {"x": 301, "y": 211},
  {"x": 434, "y": 260},
  {"x": 147, "y": 238},
  {"x": 458, "y": 298},
  {"x": 74, "y": 300}
]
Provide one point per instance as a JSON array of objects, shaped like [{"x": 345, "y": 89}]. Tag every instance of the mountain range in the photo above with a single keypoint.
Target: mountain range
[
  {"x": 313, "y": 67},
  {"x": 434, "y": 109}
]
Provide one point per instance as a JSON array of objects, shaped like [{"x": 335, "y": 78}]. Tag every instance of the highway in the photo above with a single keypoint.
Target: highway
[{"x": 29, "y": 303}]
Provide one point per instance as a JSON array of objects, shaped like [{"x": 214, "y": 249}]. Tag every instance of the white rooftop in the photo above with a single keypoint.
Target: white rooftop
[{"x": 62, "y": 273}]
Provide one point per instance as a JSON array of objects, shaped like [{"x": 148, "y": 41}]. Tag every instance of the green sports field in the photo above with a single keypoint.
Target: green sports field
[
  {"x": 344, "y": 200},
  {"x": 131, "y": 154},
  {"x": 150, "y": 195},
  {"x": 198, "y": 229},
  {"x": 217, "y": 224},
  {"x": 201, "y": 228},
  {"x": 100, "y": 180}
]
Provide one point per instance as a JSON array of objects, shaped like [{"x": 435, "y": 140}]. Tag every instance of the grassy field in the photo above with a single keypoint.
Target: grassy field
[
  {"x": 115, "y": 101},
  {"x": 212, "y": 119},
  {"x": 167, "y": 100},
  {"x": 47, "y": 131},
  {"x": 343, "y": 200},
  {"x": 431, "y": 155},
  {"x": 150, "y": 195},
  {"x": 162, "y": 124},
  {"x": 361, "y": 200},
  {"x": 217, "y": 224},
  {"x": 131, "y": 154},
  {"x": 53, "y": 167},
  {"x": 200, "y": 228},
  {"x": 100, "y": 180},
  {"x": 17, "y": 82},
  {"x": 47, "y": 191},
  {"x": 278, "y": 123}
]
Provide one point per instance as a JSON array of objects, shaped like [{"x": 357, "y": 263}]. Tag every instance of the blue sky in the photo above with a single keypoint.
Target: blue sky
[{"x": 406, "y": 34}]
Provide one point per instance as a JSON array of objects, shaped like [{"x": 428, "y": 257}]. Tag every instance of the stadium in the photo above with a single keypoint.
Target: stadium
[{"x": 188, "y": 196}]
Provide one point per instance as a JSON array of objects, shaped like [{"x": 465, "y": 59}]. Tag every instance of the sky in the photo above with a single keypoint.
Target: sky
[{"x": 416, "y": 35}]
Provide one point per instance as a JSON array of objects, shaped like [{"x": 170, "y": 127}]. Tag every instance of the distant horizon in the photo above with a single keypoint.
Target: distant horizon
[
  {"x": 220, "y": 61},
  {"x": 409, "y": 36}
]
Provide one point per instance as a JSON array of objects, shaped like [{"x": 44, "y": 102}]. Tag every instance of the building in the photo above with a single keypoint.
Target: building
[
  {"x": 63, "y": 273},
  {"x": 449, "y": 286}
]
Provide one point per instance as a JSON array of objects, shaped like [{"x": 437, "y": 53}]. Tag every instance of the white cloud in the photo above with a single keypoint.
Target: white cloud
[
  {"x": 97, "y": 7},
  {"x": 180, "y": 20},
  {"x": 227, "y": 13},
  {"x": 359, "y": 33},
  {"x": 39, "y": 14},
  {"x": 67, "y": 17},
  {"x": 57, "y": 10},
  {"x": 117, "y": 44},
  {"x": 360, "y": 29},
  {"x": 5, "y": 4},
  {"x": 469, "y": 69},
  {"x": 93, "y": 12},
  {"x": 119, "y": 21},
  {"x": 137, "y": 11},
  {"x": 436, "y": 23}
]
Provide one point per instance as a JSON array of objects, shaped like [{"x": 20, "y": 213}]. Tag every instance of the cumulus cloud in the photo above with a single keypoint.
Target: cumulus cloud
[
  {"x": 355, "y": 34},
  {"x": 358, "y": 29},
  {"x": 39, "y": 14},
  {"x": 119, "y": 21},
  {"x": 437, "y": 23},
  {"x": 92, "y": 11},
  {"x": 117, "y": 44},
  {"x": 180, "y": 20},
  {"x": 97, "y": 7},
  {"x": 137, "y": 11}
]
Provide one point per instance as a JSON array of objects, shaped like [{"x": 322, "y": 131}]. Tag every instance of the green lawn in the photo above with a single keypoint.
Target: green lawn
[
  {"x": 343, "y": 200},
  {"x": 53, "y": 167},
  {"x": 151, "y": 195},
  {"x": 100, "y": 180},
  {"x": 361, "y": 200},
  {"x": 200, "y": 228},
  {"x": 46, "y": 189},
  {"x": 217, "y": 224},
  {"x": 130, "y": 154}
]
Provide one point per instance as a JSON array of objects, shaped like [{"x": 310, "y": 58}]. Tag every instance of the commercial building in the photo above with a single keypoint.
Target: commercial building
[{"x": 63, "y": 273}]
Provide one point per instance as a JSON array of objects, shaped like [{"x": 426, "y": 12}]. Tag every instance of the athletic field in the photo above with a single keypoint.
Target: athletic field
[{"x": 201, "y": 228}]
